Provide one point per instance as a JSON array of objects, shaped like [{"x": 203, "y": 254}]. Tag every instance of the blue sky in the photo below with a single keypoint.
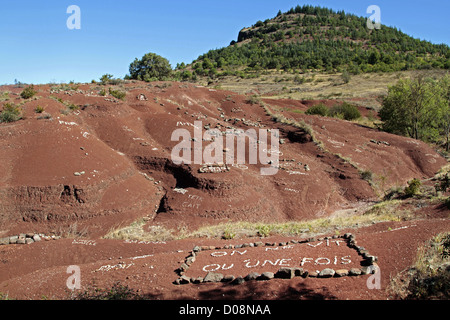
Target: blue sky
[{"x": 37, "y": 47}]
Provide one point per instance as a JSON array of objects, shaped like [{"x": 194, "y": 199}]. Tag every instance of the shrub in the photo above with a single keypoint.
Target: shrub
[
  {"x": 346, "y": 76},
  {"x": 366, "y": 175},
  {"x": 447, "y": 203},
  {"x": 10, "y": 113},
  {"x": 319, "y": 109},
  {"x": 39, "y": 109},
  {"x": 73, "y": 107},
  {"x": 345, "y": 111},
  {"x": 413, "y": 187},
  {"x": 28, "y": 92},
  {"x": 254, "y": 99},
  {"x": 117, "y": 94},
  {"x": 106, "y": 78},
  {"x": 116, "y": 292}
]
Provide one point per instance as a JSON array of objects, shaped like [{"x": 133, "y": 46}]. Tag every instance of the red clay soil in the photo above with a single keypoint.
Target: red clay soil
[
  {"x": 40, "y": 269},
  {"x": 88, "y": 171}
]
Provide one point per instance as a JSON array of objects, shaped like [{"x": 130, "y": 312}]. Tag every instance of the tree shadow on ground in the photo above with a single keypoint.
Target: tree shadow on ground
[{"x": 258, "y": 290}]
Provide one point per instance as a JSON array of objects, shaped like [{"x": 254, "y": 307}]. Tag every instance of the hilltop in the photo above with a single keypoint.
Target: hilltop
[{"x": 311, "y": 38}]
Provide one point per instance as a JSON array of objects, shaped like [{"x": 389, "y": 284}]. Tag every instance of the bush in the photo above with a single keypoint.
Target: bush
[
  {"x": 346, "y": 76},
  {"x": 39, "y": 109},
  {"x": 150, "y": 67},
  {"x": 115, "y": 293},
  {"x": 10, "y": 113},
  {"x": 367, "y": 175},
  {"x": 413, "y": 187},
  {"x": 447, "y": 203},
  {"x": 319, "y": 109},
  {"x": 254, "y": 99},
  {"x": 345, "y": 111},
  {"x": 28, "y": 92},
  {"x": 117, "y": 94},
  {"x": 106, "y": 78}
]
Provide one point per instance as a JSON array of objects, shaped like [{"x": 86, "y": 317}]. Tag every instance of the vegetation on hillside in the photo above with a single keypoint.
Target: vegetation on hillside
[
  {"x": 314, "y": 38},
  {"x": 419, "y": 108}
]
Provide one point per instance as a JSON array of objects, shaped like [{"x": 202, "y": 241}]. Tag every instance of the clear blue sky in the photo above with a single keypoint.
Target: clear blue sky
[{"x": 37, "y": 47}]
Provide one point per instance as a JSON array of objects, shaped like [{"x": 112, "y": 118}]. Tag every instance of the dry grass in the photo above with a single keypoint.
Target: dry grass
[
  {"x": 315, "y": 86},
  {"x": 429, "y": 277},
  {"x": 385, "y": 211}
]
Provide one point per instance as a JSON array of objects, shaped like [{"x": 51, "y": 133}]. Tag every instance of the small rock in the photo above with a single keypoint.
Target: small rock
[
  {"x": 213, "y": 277},
  {"x": 190, "y": 260},
  {"x": 354, "y": 272},
  {"x": 29, "y": 240},
  {"x": 252, "y": 276},
  {"x": 196, "y": 249},
  {"x": 197, "y": 280},
  {"x": 285, "y": 273},
  {"x": 341, "y": 273},
  {"x": 327, "y": 273},
  {"x": 4, "y": 241},
  {"x": 13, "y": 239},
  {"x": 266, "y": 276},
  {"x": 366, "y": 270},
  {"x": 238, "y": 280},
  {"x": 37, "y": 238},
  {"x": 228, "y": 278},
  {"x": 313, "y": 274},
  {"x": 298, "y": 272}
]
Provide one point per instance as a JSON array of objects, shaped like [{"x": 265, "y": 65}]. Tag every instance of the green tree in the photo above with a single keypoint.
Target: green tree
[
  {"x": 415, "y": 108},
  {"x": 444, "y": 109},
  {"x": 151, "y": 67}
]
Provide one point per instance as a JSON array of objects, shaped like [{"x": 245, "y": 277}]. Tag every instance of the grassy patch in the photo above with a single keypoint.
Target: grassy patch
[
  {"x": 10, "y": 113},
  {"x": 429, "y": 277},
  {"x": 115, "y": 293},
  {"x": 136, "y": 231}
]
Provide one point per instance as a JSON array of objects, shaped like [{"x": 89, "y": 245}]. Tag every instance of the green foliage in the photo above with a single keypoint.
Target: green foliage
[
  {"x": 345, "y": 111},
  {"x": 345, "y": 76},
  {"x": 10, "y": 113},
  {"x": 106, "y": 78},
  {"x": 324, "y": 40},
  {"x": 118, "y": 94},
  {"x": 366, "y": 175},
  {"x": 151, "y": 67},
  {"x": 418, "y": 108},
  {"x": 319, "y": 109},
  {"x": 28, "y": 92},
  {"x": 39, "y": 109},
  {"x": 413, "y": 187},
  {"x": 254, "y": 99}
]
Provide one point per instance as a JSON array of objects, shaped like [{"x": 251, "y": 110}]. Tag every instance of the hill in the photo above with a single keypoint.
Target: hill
[
  {"x": 319, "y": 39},
  {"x": 97, "y": 171}
]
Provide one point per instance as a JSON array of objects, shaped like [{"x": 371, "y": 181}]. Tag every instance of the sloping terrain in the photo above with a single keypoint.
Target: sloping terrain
[
  {"x": 90, "y": 164},
  {"x": 108, "y": 162}
]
